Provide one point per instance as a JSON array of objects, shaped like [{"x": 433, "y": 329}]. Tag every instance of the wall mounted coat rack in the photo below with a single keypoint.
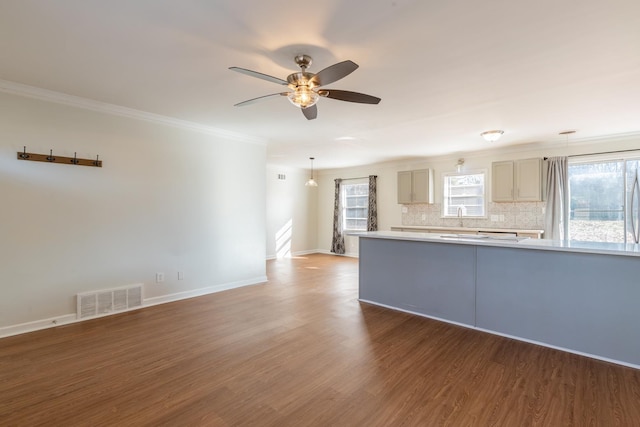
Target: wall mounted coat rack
[{"x": 50, "y": 158}]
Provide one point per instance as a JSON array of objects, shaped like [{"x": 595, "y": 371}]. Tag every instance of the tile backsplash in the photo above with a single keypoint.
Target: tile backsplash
[{"x": 520, "y": 215}]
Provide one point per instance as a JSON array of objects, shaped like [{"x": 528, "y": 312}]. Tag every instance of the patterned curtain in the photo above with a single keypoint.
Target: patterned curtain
[
  {"x": 555, "y": 225},
  {"x": 337, "y": 243},
  {"x": 372, "y": 214}
]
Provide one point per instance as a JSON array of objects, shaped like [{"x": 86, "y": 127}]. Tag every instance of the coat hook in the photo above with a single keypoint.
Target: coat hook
[
  {"x": 96, "y": 162},
  {"x": 50, "y": 158},
  {"x": 24, "y": 155},
  {"x": 75, "y": 160}
]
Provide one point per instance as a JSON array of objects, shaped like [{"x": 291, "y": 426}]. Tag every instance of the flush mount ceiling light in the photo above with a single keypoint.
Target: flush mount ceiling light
[
  {"x": 492, "y": 135},
  {"x": 311, "y": 182}
]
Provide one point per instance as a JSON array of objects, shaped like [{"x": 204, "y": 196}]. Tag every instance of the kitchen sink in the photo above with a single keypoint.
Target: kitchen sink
[{"x": 475, "y": 237}]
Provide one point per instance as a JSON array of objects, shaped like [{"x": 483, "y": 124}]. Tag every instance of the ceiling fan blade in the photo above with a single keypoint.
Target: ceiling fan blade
[
  {"x": 345, "y": 95},
  {"x": 258, "y": 99},
  {"x": 259, "y": 75},
  {"x": 310, "y": 112},
  {"x": 334, "y": 73}
]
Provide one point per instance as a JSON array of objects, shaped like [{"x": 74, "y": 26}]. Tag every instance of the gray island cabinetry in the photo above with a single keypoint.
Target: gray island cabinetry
[{"x": 580, "y": 297}]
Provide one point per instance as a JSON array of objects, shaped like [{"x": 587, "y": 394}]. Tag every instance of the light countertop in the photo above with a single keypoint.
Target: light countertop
[
  {"x": 463, "y": 229},
  {"x": 519, "y": 243}
]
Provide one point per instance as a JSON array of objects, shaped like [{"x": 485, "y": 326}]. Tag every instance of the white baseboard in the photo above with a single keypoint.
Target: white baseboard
[
  {"x": 163, "y": 299},
  {"x": 348, "y": 254},
  {"x": 298, "y": 253},
  {"x": 36, "y": 325},
  {"x": 317, "y": 251},
  {"x": 301, "y": 253}
]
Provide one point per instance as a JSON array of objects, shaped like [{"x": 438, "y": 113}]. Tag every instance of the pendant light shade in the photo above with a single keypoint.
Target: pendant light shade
[{"x": 311, "y": 182}]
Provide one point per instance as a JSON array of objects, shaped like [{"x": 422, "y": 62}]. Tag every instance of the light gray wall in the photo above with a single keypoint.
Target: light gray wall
[
  {"x": 291, "y": 212},
  {"x": 166, "y": 200}
]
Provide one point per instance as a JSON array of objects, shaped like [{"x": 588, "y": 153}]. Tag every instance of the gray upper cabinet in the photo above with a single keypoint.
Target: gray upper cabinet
[
  {"x": 415, "y": 186},
  {"x": 529, "y": 180},
  {"x": 517, "y": 180},
  {"x": 502, "y": 181}
]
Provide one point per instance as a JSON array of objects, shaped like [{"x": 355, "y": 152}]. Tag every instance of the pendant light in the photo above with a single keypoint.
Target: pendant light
[
  {"x": 311, "y": 182},
  {"x": 566, "y": 133}
]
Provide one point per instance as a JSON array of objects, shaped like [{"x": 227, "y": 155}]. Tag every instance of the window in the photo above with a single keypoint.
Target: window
[
  {"x": 464, "y": 195},
  {"x": 600, "y": 201},
  {"x": 355, "y": 204}
]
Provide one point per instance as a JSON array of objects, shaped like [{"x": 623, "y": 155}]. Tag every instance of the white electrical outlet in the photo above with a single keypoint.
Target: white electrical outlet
[
  {"x": 180, "y": 275},
  {"x": 424, "y": 217},
  {"x": 495, "y": 218},
  {"x": 159, "y": 277}
]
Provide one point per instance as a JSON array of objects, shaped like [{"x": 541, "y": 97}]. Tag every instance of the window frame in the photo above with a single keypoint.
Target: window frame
[
  {"x": 343, "y": 197},
  {"x": 445, "y": 192},
  {"x": 595, "y": 159}
]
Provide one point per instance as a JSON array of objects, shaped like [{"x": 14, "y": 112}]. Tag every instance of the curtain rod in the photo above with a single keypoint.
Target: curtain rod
[
  {"x": 602, "y": 152},
  {"x": 358, "y": 177}
]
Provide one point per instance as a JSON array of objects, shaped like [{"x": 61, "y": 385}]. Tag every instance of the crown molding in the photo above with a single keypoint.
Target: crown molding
[
  {"x": 578, "y": 146},
  {"x": 582, "y": 145},
  {"x": 116, "y": 110}
]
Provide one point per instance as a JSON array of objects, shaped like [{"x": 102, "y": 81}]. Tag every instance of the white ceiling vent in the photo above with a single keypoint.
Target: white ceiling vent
[{"x": 108, "y": 301}]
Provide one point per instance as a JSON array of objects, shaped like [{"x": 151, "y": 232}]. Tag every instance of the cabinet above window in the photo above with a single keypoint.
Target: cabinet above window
[{"x": 415, "y": 186}]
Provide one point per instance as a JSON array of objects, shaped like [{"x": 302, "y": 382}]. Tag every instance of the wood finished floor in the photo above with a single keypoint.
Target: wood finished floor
[{"x": 299, "y": 351}]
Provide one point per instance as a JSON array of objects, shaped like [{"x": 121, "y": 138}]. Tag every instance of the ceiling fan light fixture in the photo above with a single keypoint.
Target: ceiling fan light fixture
[
  {"x": 303, "y": 97},
  {"x": 492, "y": 135},
  {"x": 305, "y": 88}
]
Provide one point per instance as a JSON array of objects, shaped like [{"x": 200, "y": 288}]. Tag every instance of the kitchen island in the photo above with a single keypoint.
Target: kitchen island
[{"x": 582, "y": 297}]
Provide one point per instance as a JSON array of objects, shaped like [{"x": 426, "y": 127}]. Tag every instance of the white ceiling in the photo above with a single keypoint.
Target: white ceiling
[{"x": 446, "y": 70}]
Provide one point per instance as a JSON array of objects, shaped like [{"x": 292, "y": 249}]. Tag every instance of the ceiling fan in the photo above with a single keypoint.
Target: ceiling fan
[{"x": 305, "y": 87}]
